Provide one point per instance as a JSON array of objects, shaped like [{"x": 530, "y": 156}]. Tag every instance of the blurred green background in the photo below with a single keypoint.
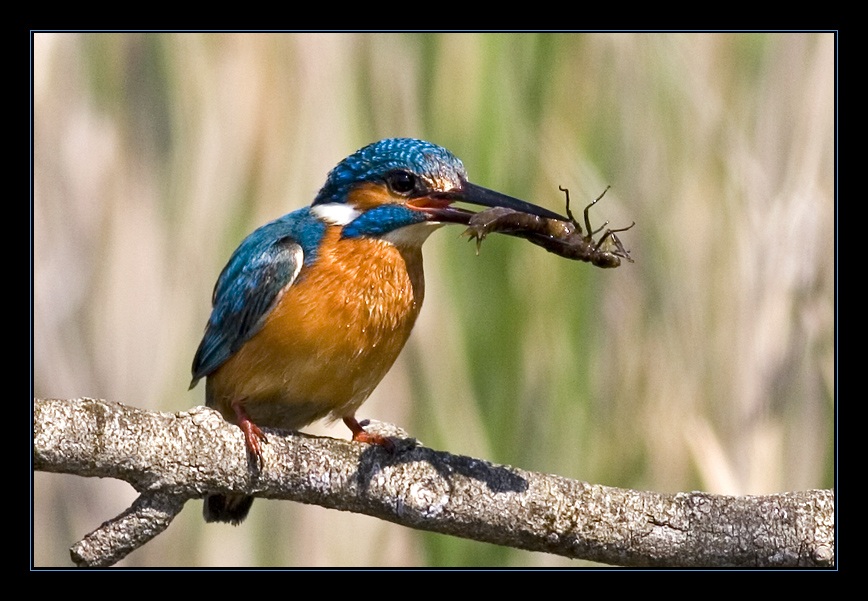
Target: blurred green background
[{"x": 708, "y": 364}]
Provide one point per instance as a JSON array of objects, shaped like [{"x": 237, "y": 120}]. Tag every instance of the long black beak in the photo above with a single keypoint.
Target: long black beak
[
  {"x": 489, "y": 198},
  {"x": 473, "y": 194}
]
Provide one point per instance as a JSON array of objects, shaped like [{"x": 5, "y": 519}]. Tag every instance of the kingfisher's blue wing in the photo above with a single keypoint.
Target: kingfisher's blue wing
[{"x": 262, "y": 267}]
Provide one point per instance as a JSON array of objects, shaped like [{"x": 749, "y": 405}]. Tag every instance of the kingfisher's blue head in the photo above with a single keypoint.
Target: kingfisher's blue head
[{"x": 399, "y": 182}]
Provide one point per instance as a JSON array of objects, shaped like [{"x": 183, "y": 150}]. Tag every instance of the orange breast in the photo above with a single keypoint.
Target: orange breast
[{"x": 330, "y": 339}]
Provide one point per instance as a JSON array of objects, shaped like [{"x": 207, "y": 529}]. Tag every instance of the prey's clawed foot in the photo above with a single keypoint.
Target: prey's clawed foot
[{"x": 562, "y": 236}]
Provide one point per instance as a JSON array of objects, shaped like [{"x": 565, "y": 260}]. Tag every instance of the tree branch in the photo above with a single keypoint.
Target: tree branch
[{"x": 170, "y": 458}]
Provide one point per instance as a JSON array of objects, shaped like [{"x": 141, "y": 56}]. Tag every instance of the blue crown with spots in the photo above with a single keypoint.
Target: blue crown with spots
[{"x": 374, "y": 161}]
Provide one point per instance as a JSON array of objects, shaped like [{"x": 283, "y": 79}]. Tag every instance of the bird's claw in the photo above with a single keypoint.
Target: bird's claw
[
  {"x": 361, "y": 435},
  {"x": 253, "y": 436}
]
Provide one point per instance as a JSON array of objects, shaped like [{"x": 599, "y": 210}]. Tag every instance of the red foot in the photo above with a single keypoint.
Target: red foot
[
  {"x": 359, "y": 435},
  {"x": 253, "y": 436}
]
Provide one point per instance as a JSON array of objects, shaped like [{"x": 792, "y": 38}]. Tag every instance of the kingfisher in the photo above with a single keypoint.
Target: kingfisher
[{"x": 313, "y": 308}]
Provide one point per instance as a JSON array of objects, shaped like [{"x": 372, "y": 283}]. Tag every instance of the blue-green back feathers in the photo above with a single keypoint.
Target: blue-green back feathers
[{"x": 266, "y": 262}]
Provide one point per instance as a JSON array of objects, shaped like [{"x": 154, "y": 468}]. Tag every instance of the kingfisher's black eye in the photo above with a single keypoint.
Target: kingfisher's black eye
[{"x": 401, "y": 182}]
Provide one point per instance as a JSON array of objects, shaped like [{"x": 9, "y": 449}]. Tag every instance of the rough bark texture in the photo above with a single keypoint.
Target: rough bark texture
[{"x": 171, "y": 458}]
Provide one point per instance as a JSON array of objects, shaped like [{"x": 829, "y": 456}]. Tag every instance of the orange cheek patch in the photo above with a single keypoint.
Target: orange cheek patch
[{"x": 369, "y": 195}]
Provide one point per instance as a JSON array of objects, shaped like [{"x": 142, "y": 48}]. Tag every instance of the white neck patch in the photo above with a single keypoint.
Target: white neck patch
[{"x": 335, "y": 213}]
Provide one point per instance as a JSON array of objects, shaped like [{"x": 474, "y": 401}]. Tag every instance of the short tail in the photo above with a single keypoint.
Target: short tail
[{"x": 231, "y": 509}]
